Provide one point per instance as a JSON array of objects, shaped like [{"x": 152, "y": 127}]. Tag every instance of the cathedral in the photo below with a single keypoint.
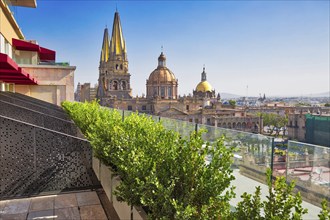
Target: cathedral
[{"x": 162, "y": 98}]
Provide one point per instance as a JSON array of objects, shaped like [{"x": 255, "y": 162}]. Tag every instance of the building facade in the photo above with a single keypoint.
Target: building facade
[
  {"x": 28, "y": 68},
  {"x": 162, "y": 97},
  {"x": 310, "y": 128},
  {"x": 114, "y": 78}
]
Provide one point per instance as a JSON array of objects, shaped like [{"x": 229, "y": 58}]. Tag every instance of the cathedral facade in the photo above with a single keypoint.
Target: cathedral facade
[
  {"x": 114, "y": 78},
  {"x": 162, "y": 97}
]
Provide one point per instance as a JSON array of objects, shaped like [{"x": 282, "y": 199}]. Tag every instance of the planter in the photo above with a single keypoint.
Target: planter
[{"x": 109, "y": 182}]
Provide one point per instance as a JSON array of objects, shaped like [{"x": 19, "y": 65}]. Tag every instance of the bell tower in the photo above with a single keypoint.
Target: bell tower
[{"x": 114, "y": 79}]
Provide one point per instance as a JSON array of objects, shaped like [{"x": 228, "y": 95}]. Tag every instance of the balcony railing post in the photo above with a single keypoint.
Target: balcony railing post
[{"x": 272, "y": 160}]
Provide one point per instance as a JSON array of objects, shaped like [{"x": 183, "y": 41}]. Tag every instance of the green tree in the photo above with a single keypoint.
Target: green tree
[
  {"x": 325, "y": 212},
  {"x": 281, "y": 203},
  {"x": 232, "y": 102},
  {"x": 275, "y": 121}
]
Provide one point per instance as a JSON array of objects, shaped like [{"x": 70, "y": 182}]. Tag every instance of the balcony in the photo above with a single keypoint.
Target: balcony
[{"x": 53, "y": 160}]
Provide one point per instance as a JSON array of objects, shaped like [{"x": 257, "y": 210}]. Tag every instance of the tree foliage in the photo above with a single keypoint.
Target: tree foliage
[
  {"x": 325, "y": 212},
  {"x": 275, "y": 121},
  {"x": 281, "y": 203},
  {"x": 159, "y": 169},
  {"x": 168, "y": 174},
  {"x": 232, "y": 102}
]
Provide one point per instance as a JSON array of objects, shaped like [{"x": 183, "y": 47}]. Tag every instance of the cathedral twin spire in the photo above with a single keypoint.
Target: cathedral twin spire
[
  {"x": 114, "y": 78},
  {"x": 114, "y": 47}
]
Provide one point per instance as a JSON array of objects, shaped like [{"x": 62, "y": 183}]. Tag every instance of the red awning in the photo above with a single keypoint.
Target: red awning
[
  {"x": 47, "y": 54},
  {"x": 25, "y": 45},
  {"x": 11, "y": 73},
  {"x": 44, "y": 53},
  {"x": 6, "y": 63}
]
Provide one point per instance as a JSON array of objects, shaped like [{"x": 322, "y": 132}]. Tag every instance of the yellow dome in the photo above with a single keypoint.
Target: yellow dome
[{"x": 204, "y": 86}]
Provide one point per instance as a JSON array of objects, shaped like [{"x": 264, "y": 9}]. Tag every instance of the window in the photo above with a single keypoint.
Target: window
[
  {"x": 190, "y": 120},
  {"x": 169, "y": 92},
  {"x": 115, "y": 85},
  {"x": 129, "y": 108},
  {"x": 123, "y": 85},
  {"x": 144, "y": 108},
  {"x": 196, "y": 120},
  {"x": 155, "y": 91},
  {"x": 187, "y": 107},
  {"x": 162, "y": 92},
  {"x": 121, "y": 66},
  {"x": 117, "y": 66}
]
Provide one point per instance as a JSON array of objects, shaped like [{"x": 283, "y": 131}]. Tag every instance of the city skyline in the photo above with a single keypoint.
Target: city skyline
[{"x": 276, "y": 48}]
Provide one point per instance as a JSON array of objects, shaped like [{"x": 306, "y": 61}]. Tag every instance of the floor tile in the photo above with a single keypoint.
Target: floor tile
[
  {"x": 65, "y": 201},
  {"x": 67, "y": 213},
  {"x": 16, "y": 206},
  {"x": 92, "y": 212},
  {"x": 19, "y": 216},
  {"x": 44, "y": 214},
  {"x": 87, "y": 198},
  {"x": 2, "y": 204},
  {"x": 42, "y": 203}
]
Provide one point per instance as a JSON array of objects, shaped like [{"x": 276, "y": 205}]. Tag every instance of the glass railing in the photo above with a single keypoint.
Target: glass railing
[
  {"x": 308, "y": 165},
  {"x": 252, "y": 151}
]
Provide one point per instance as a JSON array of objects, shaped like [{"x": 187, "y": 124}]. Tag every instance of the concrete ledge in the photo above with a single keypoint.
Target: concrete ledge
[{"x": 109, "y": 182}]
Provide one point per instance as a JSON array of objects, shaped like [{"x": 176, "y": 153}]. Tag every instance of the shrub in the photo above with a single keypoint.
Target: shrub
[
  {"x": 280, "y": 203},
  {"x": 159, "y": 169}
]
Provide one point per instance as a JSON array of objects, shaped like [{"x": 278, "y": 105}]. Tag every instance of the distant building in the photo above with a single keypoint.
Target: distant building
[
  {"x": 162, "y": 99},
  {"x": 85, "y": 92},
  {"x": 310, "y": 128},
  {"x": 28, "y": 68}
]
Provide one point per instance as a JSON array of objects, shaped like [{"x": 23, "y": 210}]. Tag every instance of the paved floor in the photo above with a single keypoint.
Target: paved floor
[
  {"x": 245, "y": 184},
  {"x": 80, "y": 205}
]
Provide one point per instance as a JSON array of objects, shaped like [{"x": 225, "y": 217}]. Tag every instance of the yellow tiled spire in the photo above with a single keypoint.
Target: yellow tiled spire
[
  {"x": 105, "y": 46},
  {"x": 117, "y": 43}
]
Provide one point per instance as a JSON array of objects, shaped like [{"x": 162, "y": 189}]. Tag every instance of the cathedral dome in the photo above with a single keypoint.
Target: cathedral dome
[
  {"x": 162, "y": 82},
  {"x": 204, "y": 86},
  {"x": 161, "y": 75}
]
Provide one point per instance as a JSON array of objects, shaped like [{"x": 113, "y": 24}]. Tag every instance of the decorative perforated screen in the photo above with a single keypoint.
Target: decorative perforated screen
[{"x": 35, "y": 160}]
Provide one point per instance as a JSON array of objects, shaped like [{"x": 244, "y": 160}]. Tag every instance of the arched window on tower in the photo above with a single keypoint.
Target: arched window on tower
[
  {"x": 115, "y": 85},
  {"x": 123, "y": 85},
  {"x": 121, "y": 66},
  {"x": 117, "y": 66}
]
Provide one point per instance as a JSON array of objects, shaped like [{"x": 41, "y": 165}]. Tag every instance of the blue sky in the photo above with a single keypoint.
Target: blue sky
[{"x": 272, "y": 47}]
